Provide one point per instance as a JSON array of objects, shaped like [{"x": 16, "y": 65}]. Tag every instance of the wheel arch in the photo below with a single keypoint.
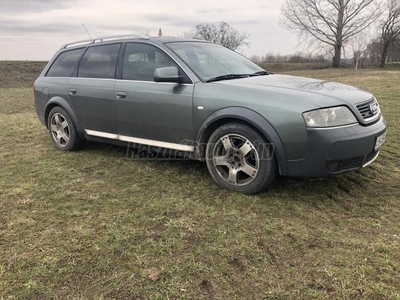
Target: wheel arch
[
  {"x": 244, "y": 116},
  {"x": 58, "y": 101}
]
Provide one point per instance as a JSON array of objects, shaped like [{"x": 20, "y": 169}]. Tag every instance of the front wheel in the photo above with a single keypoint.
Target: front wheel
[{"x": 239, "y": 159}]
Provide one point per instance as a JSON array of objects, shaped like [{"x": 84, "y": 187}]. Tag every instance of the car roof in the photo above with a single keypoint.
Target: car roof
[
  {"x": 171, "y": 39},
  {"x": 128, "y": 38}
]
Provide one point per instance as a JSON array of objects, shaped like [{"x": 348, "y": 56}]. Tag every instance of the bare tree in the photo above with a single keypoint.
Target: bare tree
[
  {"x": 395, "y": 51},
  {"x": 255, "y": 59},
  {"x": 223, "y": 34},
  {"x": 390, "y": 28},
  {"x": 269, "y": 57},
  {"x": 374, "y": 51},
  {"x": 329, "y": 22},
  {"x": 358, "y": 44}
]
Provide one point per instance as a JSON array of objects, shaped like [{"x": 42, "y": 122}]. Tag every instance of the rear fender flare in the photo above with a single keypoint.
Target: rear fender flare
[{"x": 58, "y": 101}]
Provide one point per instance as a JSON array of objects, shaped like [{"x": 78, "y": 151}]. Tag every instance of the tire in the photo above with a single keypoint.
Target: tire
[
  {"x": 240, "y": 159},
  {"x": 62, "y": 130}
]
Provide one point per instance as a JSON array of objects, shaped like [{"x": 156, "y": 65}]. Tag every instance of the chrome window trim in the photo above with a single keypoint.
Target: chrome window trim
[
  {"x": 153, "y": 82},
  {"x": 138, "y": 81},
  {"x": 91, "y": 78}
]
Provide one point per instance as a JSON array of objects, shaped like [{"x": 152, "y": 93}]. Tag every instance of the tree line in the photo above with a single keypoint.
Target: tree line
[
  {"x": 335, "y": 26},
  {"x": 298, "y": 57}
]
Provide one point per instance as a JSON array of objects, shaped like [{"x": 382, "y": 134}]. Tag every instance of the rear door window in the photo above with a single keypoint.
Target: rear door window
[
  {"x": 99, "y": 62},
  {"x": 64, "y": 64}
]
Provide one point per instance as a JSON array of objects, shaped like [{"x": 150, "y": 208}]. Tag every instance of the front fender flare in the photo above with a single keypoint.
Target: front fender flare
[{"x": 256, "y": 120}]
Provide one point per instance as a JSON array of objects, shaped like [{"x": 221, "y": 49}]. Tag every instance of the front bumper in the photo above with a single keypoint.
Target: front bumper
[{"x": 337, "y": 150}]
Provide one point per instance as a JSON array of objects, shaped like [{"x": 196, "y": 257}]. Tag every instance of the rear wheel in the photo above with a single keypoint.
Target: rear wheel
[
  {"x": 62, "y": 130},
  {"x": 240, "y": 159}
]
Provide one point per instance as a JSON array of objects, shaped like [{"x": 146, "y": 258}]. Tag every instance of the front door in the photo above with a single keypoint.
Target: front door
[{"x": 149, "y": 112}]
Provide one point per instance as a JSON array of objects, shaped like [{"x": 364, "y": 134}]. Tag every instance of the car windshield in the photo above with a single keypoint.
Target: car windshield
[{"x": 213, "y": 62}]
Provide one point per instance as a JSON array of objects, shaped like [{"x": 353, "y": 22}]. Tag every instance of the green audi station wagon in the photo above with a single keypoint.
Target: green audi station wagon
[{"x": 209, "y": 103}]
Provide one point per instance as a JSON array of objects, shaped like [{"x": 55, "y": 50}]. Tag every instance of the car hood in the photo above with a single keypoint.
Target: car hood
[{"x": 318, "y": 92}]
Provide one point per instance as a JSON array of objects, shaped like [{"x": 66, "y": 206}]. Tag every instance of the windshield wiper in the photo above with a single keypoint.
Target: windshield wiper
[
  {"x": 227, "y": 77},
  {"x": 260, "y": 73},
  {"x": 234, "y": 76}
]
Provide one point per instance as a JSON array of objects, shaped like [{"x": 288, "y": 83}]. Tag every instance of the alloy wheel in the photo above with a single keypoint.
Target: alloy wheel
[
  {"x": 60, "y": 130},
  {"x": 236, "y": 159}
]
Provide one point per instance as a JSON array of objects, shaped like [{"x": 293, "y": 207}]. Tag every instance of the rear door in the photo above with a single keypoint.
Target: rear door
[
  {"x": 54, "y": 82},
  {"x": 155, "y": 111},
  {"x": 91, "y": 93}
]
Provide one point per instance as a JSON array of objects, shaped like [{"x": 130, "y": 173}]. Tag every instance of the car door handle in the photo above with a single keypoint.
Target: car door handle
[
  {"x": 121, "y": 95},
  {"x": 72, "y": 91}
]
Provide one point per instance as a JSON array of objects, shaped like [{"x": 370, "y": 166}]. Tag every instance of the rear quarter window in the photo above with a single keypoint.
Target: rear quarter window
[{"x": 64, "y": 64}]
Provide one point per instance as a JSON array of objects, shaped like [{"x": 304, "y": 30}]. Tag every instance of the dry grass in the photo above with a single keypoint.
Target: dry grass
[
  {"x": 93, "y": 224},
  {"x": 17, "y": 74}
]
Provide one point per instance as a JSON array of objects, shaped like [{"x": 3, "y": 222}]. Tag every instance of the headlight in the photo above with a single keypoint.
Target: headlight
[{"x": 329, "y": 117}]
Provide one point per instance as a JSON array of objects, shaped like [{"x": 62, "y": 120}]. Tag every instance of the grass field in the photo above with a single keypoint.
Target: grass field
[
  {"x": 93, "y": 224},
  {"x": 16, "y": 74}
]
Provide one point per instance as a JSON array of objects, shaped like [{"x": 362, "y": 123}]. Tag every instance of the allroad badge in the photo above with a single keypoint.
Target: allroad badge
[{"x": 374, "y": 107}]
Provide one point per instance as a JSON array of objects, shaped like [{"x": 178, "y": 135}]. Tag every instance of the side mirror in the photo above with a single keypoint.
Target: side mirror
[{"x": 166, "y": 74}]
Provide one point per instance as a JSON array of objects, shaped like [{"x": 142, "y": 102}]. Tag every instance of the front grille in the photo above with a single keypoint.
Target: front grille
[
  {"x": 365, "y": 109},
  {"x": 351, "y": 163}
]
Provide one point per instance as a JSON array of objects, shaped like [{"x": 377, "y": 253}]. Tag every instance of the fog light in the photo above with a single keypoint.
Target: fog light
[{"x": 333, "y": 165}]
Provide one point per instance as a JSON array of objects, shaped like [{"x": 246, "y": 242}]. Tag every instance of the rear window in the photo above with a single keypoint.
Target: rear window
[
  {"x": 99, "y": 62},
  {"x": 64, "y": 63}
]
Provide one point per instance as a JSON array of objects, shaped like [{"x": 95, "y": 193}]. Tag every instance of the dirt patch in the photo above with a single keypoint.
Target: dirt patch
[{"x": 207, "y": 289}]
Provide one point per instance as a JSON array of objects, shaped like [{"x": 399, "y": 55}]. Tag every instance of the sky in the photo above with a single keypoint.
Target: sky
[{"x": 36, "y": 29}]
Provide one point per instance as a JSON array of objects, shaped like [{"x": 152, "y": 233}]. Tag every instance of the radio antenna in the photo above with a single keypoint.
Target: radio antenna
[{"x": 87, "y": 31}]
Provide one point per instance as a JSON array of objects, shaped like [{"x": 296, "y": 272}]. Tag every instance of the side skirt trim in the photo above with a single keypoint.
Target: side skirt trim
[{"x": 129, "y": 139}]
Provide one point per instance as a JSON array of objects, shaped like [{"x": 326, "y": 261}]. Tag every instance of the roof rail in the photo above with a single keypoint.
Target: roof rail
[{"x": 104, "y": 39}]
